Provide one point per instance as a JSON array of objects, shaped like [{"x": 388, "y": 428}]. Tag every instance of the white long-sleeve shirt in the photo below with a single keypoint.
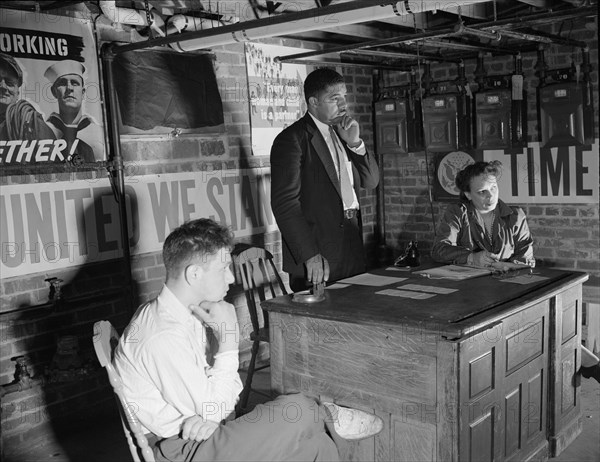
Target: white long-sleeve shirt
[{"x": 161, "y": 359}]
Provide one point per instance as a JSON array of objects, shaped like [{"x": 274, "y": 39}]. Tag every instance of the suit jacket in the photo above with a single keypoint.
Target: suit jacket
[{"x": 306, "y": 197}]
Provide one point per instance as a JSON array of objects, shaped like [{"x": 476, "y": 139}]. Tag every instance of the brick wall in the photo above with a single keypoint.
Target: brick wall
[
  {"x": 95, "y": 291},
  {"x": 566, "y": 235}
]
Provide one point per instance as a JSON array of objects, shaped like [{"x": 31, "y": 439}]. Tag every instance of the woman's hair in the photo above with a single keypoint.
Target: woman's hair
[
  {"x": 464, "y": 177},
  {"x": 195, "y": 240},
  {"x": 319, "y": 80}
]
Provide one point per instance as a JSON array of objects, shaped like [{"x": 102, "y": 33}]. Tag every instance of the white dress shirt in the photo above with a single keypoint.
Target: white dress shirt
[
  {"x": 360, "y": 150},
  {"x": 161, "y": 359}
]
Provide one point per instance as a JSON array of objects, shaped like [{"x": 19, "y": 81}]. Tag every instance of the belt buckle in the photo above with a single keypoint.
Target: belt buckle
[{"x": 350, "y": 213}]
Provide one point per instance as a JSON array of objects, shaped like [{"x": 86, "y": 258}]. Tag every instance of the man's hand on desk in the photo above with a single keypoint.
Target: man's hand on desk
[
  {"x": 317, "y": 269},
  {"x": 197, "y": 428}
]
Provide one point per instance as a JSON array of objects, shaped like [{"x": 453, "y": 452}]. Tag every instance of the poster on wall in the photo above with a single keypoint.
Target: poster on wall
[
  {"x": 50, "y": 102},
  {"x": 72, "y": 223},
  {"x": 530, "y": 175},
  {"x": 275, "y": 93}
]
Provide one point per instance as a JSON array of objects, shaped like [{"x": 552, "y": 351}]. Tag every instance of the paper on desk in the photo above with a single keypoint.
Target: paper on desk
[
  {"x": 405, "y": 294},
  {"x": 525, "y": 279},
  {"x": 423, "y": 288},
  {"x": 337, "y": 285},
  {"x": 454, "y": 272},
  {"x": 368, "y": 279}
]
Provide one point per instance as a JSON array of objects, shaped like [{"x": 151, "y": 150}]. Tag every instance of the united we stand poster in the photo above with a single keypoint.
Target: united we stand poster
[{"x": 50, "y": 100}]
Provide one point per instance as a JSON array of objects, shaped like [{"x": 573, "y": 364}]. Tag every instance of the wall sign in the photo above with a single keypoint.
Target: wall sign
[
  {"x": 530, "y": 175},
  {"x": 275, "y": 92},
  {"x": 51, "y": 108},
  {"x": 67, "y": 224}
]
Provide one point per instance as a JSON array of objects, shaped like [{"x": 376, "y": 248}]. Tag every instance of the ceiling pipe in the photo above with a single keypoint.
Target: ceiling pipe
[
  {"x": 181, "y": 23},
  {"x": 406, "y": 55},
  {"x": 369, "y": 44},
  {"x": 520, "y": 21},
  {"x": 131, "y": 17},
  {"x": 357, "y": 63},
  {"x": 356, "y": 14},
  {"x": 461, "y": 29},
  {"x": 466, "y": 47},
  {"x": 337, "y": 14},
  {"x": 542, "y": 38}
]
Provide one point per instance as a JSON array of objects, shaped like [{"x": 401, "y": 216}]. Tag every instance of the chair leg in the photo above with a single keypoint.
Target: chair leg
[{"x": 248, "y": 385}]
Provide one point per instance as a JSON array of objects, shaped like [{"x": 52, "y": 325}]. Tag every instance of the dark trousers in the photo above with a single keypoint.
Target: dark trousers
[
  {"x": 349, "y": 257},
  {"x": 289, "y": 428}
]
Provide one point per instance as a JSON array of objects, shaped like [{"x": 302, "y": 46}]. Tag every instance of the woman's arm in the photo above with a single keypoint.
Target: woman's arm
[
  {"x": 446, "y": 245},
  {"x": 523, "y": 241}
]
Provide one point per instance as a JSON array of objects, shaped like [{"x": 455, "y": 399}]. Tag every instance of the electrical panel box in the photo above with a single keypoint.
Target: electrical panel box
[
  {"x": 500, "y": 120},
  {"x": 493, "y": 119},
  {"x": 447, "y": 122},
  {"x": 562, "y": 116},
  {"x": 398, "y": 125}
]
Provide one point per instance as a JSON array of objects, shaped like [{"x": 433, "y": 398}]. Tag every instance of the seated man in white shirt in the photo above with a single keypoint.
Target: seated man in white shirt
[{"x": 183, "y": 401}]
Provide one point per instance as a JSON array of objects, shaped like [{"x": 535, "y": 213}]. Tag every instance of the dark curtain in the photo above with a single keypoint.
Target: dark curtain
[{"x": 169, "y": 89}]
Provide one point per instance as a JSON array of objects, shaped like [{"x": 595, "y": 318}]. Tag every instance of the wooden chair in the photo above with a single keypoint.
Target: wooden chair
[
  {"x": 261, "y": 281},
  {"x": 105, "y": 342}
]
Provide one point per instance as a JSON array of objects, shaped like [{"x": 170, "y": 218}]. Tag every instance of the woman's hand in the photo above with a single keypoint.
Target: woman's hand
[{"x": 483, "y": 259}]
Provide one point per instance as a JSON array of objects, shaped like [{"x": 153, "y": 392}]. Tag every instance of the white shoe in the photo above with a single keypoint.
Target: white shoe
[{"x": 353, "y": 424}]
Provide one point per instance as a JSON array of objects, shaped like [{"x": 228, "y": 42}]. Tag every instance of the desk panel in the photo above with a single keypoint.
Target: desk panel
[{"x": 483, "y": 373}]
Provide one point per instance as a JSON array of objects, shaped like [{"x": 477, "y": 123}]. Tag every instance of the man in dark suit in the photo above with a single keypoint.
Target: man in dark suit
[{"x": 318, "y": 165}]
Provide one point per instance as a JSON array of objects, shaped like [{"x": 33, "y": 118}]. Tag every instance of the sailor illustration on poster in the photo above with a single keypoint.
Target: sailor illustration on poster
[
  {"x": 50, "y": 107},
  {"x": 81, "y": 131}
]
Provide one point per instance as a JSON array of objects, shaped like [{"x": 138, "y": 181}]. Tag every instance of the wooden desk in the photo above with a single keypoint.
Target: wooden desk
[{"x": 484, "y": 373}]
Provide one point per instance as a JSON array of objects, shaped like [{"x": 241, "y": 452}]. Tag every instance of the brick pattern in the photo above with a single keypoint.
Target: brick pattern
[
  {"x": 566, "y": 235},
  {"x": 32, "y": 415}
]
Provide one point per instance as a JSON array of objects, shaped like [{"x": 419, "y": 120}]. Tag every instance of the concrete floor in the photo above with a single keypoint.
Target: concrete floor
[{"x": 104, "y": 441}]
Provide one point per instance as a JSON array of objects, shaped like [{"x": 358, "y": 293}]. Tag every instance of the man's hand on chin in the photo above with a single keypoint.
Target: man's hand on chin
[{"x": 222, "y": 319}]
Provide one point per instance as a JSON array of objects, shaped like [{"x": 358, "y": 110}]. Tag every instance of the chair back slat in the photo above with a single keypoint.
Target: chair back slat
[
  {"x": 255, "y": 268},
  {"x": 105, "y": 341},
  {"x": 260, "y": 280}
]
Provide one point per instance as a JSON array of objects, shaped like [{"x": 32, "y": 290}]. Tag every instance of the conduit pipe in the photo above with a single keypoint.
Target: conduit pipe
[
  {"x": 338, "y": 14},
  {"x": 542, "y": 38},
  {"x": 118, "y": 168},
  {"x": 461, "y": 29},
  {"x": 132, "y": 17},
  {"x": 515, "y": 22},
  {"x": 402, "y": 55},
  {"x": 466, "y": 47},
  {"x": 181, "y": 23},
  {"x": 353, "y": 63}
]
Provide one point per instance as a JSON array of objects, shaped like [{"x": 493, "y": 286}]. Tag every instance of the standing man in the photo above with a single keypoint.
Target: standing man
[
  {"x": 184, "y": 400},
  {"x": 19, "y": 120},
  {"x": 318, "y": 165},
  {"x": 84, "y": 136}
]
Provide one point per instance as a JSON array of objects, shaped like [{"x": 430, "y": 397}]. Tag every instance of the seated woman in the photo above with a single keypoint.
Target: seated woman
[{"x": 481, "y": 230}]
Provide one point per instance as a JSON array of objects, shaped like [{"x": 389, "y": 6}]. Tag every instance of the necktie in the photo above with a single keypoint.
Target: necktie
[{"x": 345, "y": 185}]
